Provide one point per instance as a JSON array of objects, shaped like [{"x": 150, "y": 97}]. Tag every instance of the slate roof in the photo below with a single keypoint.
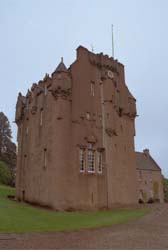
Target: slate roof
[{"x": 146, "y": 162}]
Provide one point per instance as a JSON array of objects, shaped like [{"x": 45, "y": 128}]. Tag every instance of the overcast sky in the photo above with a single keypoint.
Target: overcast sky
[{"x": 34, "y": 34}]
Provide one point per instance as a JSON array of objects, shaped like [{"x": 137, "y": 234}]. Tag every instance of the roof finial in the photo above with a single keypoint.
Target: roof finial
[
  {"x": 112, "y": 34},
  {"x": 62, "y": 59}
]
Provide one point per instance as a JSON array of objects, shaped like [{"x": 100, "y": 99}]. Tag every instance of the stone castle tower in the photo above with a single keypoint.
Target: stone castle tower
[{"x": 76, "y": 137}]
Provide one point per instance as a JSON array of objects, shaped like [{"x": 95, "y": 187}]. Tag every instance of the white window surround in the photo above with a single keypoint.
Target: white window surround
[{"x": 90, "y": 160}]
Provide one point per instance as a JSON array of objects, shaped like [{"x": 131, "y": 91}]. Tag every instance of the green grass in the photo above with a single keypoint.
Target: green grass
[{"x": 20, "y": 218}]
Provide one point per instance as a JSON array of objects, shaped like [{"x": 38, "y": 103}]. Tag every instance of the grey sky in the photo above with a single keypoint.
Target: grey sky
[{"x": 36, "y": 33}]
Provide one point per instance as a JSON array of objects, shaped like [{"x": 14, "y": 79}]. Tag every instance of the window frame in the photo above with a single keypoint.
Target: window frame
[
  {"x": 93, "y": 161},
  {"x": 83, "y": 155},
  {"x": 99, "y": 156}
]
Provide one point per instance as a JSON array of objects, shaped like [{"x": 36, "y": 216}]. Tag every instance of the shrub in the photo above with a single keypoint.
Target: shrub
[{"x": 5, "y": 174}]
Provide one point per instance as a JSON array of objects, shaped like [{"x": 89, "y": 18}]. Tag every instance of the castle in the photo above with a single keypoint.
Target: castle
[{"x": 76, "y": 133}]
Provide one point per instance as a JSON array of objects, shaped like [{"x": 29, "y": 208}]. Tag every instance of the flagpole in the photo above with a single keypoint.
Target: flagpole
[{"x": 112, "y": 40}]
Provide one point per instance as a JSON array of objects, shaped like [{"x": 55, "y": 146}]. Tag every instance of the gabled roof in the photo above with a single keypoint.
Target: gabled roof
[{"x": 144, "y": 161}]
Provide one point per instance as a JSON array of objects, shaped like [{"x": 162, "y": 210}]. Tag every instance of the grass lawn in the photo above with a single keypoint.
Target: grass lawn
[{"x": 20, "y": 218}]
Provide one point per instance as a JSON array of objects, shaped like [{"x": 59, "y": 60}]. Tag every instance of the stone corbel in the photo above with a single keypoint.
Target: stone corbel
[{"x": 58, "y": 92}]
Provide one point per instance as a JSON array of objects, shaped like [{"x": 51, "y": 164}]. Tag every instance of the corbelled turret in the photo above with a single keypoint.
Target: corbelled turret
[
  {"x": 61, "y": 67},
  {"x": 61, "y": 77}
]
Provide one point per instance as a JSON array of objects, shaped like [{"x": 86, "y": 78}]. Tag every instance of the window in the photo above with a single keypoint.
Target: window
[
  {"x": 99, "y": 162},
  {"x": 88, "y": 116},
  {"x": 92, "y": 88},
  {"x": 45, "y": 158},
  {"x": 120, "y": 111},
  {"x": 41, "y": 117},
  {"x": 82, "y": 160},
  {"x": 91, "y": 160}
]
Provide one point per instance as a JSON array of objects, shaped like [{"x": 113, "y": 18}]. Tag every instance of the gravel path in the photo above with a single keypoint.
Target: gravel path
[{"x": 147, "y": 233}]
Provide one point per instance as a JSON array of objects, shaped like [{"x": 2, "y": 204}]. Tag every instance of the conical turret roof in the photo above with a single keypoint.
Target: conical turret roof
[{"x": 61, "y": 67}]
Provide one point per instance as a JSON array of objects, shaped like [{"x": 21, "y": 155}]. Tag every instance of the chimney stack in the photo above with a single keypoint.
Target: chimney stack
[{"x": 146, "y": 151}]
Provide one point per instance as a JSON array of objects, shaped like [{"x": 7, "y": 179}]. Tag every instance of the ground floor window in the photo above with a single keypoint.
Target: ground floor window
[
  {"x": 99, "y": 162},
  {"x": 82, "y": 160},
  {"x": 91, "y": 160},
  {"x": 45, "y": 158}
]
